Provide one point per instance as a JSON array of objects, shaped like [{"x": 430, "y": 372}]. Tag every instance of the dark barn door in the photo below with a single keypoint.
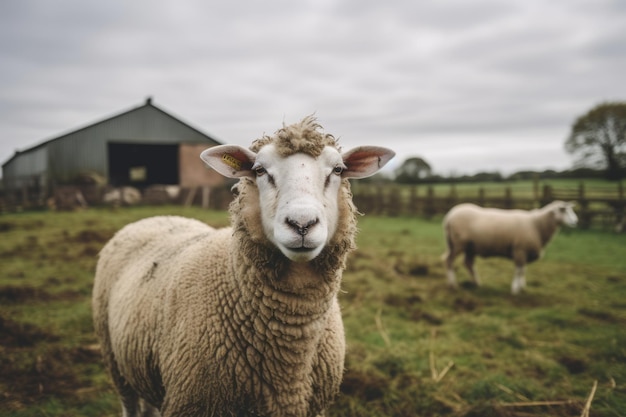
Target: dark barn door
[{"x": 141, "y": 165}]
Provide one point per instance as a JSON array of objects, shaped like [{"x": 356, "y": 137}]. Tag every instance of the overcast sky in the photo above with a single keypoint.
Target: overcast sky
[{"x": 467, "y": 85}]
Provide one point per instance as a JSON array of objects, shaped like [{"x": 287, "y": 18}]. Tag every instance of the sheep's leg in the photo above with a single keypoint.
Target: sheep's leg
[
  {"x": 469, "y": 264},
  {"x": 451, "y": 276},
  {"x": 519, "y": 280},
  {"x": 130, "y": 399},
  {"x": 129, "y": 409},
  {"x": 449, "y": 261},
  {"x": 147, "y": 410},
  {"x": 470, "y": 256}
]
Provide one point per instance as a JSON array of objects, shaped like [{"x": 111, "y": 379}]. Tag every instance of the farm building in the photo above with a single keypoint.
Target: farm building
[{"x": 140, "y": 147}]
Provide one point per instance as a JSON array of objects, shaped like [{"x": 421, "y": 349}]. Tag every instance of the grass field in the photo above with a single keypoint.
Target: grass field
[{"x": 415, "y": 347}]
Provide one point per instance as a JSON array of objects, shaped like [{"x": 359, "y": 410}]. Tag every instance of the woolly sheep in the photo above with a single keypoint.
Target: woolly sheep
[
  {"x": 240, "y": 321},
  {"x": 519, "y": 235},
  {"x": 123, "y": 196}
]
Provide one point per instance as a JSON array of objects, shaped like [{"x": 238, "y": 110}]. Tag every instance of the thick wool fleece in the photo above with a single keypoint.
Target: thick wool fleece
[
  {"x": 204, "y": 322},
  {"x": 516, "y": 234}
]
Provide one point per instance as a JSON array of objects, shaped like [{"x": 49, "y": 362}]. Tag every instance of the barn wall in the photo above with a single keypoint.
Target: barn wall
[
  {"x": 86, "y": 150},
  {"x": 26, "y": 169},
  {"x": 67, "y": 158}
]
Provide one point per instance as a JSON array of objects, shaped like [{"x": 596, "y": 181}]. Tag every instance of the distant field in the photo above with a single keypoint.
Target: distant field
[
  {"x": 415, "y": 347},
  {"x": 594, "y": 188}
]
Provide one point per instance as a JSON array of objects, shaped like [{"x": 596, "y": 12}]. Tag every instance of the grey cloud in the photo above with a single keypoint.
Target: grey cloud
[{"x": 439, "y": 74}]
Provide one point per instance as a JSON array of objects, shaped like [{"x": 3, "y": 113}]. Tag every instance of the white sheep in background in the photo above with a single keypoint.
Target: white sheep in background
[
  {"x": 240, "y": 321},
  {"x": 519, "y": 235}
]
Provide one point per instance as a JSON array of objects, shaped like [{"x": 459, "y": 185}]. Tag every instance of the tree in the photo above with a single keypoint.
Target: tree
[
  {"x": 599, "y": 139},
  {"x": 413, "y": 170}
]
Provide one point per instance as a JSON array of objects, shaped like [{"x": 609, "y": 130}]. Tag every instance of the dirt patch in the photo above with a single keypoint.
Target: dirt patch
[
  {"x": 419, "y": 270},
  {"x": 16, "y": 334},
  {"x": 497, "y": 410},
  {"x": 614, "y": 279},
  {"x": 88, "y": 236},
  {"x": 33, "y": 225},
  {"x": 412, "y": 268},
  {"x": 364, "y": 386},
  {"x": 42, "y": 376},
  {"x": 409, "y": 306},
  {"x": 464, "y": 304},
  {"x": 599, "y": 315},
  {"x": 90, "y": 251},
  {"x": 468, "y": 285},
  {"x": 23, "y": 294},
  {"x": 403, "y": 301},
  {"x": 6, "y": 226},
  {"x": 420, "y": 315},
  {"x": 573, "y": 365},
  {"x": 13, "y": 294}
]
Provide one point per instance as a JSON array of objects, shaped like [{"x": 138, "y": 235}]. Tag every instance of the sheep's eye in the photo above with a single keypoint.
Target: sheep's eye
[
  {"x": 260, "y": 171},
  {"x": 338, "y": 170}
]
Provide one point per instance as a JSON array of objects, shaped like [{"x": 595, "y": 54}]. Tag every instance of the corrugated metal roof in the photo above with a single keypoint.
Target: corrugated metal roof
[{"x": 108, "y": 120}]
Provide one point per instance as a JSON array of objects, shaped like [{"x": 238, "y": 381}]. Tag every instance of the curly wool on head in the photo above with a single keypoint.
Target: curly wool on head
[{"x": 304, "y": 137}]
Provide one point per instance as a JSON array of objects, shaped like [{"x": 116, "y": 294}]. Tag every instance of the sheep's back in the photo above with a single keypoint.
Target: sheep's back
[
  {"x": 142, "y": 272},
  {"x": 490, "y": 231},
  {"x": 136, "y": 247}
]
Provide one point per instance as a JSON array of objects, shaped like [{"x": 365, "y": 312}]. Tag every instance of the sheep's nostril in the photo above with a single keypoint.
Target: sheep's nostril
[{"x": 301, "y": 228}]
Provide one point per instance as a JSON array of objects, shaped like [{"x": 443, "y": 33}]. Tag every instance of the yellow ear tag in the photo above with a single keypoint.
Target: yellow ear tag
[{"x": 231, "y": 161}]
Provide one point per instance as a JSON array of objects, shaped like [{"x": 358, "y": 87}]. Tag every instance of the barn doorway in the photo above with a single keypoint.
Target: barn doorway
[{"x": 141, "y": 165}]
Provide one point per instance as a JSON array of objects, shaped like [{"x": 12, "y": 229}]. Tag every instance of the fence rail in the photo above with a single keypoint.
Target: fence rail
[
  {"x": 603, "y": 209},
  {"x": 600, "y": 207}
]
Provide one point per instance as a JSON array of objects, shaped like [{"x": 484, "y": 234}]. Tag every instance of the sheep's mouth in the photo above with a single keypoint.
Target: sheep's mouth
[
  {"x": 301, "y": 249},
  {"x": 301, "y": 253}
]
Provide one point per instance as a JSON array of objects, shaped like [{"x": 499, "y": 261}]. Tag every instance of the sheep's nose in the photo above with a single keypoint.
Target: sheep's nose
[{"x": 300, "y": 227}]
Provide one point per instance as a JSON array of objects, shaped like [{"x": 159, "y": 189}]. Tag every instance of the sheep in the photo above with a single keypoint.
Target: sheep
[
  {"x": 519, "y": 235},
  {"x": 122, "y": 196},
  {"x": 243, "y": 320}
]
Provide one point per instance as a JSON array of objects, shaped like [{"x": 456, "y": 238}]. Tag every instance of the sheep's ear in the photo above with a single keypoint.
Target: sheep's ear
[
  {"x": 364, "y": 161},
  {"x": 231, "y": 161}
]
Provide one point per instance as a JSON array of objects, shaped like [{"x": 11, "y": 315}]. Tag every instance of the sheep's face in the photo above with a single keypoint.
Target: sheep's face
[
  {"x": 298, "y": 193},
  {"x": 564, "y": 213},
  {"x": 298, "y": 196}
]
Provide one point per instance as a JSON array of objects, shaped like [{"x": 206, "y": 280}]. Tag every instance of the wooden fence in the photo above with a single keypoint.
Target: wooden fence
[{"x": 602, "y": 210}]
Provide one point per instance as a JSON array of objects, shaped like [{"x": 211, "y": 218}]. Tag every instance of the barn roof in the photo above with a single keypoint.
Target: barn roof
[{"x": 147, "y": 103}]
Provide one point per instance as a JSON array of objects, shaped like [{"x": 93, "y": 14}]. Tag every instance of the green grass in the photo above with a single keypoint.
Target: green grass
[{"x": 545, "y": 347}]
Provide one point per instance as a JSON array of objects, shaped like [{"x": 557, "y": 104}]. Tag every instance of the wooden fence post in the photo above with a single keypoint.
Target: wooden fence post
[
  {"x": 586, "y": 216},
  {"x": 394, "y": 203},
  {"x": 547, "y": 195},
  {"x": 413, "y": 202},
  {"x": 429, "y": 206},
  {"x": 452, "y": 198},
  {"x": 620, "y": 216},
  {"x": 508, "y": 198},
  {"x": 581, "y": 191}
]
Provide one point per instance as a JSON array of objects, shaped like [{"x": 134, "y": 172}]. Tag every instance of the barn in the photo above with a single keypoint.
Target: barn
[{"x": 139, "y": 147}]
